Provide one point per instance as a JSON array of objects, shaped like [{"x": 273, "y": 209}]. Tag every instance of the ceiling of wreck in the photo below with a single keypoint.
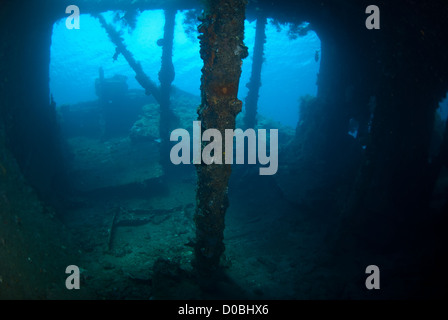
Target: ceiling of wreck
[{"x": 282, "y": 10}]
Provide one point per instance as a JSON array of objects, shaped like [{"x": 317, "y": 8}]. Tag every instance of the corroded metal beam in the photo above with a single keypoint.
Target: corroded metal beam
[
  {"x": 166, "y": 77},
  {"x": 250, "y": 118},
  {"x": 149, "y": 85},
  {"x": 222, "y": 50}
]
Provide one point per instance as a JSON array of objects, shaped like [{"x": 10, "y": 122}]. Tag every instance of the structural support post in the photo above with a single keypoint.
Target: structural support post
[
  {"x": 166, "y": 77},
  {"x": 250, "y": 118},
  {"x": 222, "y": 50}
]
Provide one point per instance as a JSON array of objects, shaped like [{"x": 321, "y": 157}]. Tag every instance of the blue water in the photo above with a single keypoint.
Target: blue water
[{"x": 289, "y": 71}]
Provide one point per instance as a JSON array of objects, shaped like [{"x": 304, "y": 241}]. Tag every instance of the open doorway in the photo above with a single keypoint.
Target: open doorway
[{"x": 124, "y": 208}]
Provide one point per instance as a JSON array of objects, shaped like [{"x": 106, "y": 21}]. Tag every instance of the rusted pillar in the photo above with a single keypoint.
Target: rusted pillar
[
  {"x": 222, "y": 50},
  {"x": 250, "y": 118},
  {"x": 166, "y": 77}
]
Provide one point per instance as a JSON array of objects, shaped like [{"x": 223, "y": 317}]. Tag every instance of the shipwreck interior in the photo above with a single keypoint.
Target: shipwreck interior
[{"x": 362, "y": 173}]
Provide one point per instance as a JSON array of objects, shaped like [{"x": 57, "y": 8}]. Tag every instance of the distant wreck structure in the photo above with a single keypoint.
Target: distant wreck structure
[
  {"x": 112, "y": 98},
  {"x": 166, "y": 76}
]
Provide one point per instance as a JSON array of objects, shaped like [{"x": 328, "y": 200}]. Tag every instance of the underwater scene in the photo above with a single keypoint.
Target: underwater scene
[{"x": 223, "y": 150}]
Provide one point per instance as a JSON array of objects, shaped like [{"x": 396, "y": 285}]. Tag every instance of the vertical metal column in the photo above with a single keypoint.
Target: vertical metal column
[
  {"x": 222, "y": 50},
  {"x": 250, "y": 118},
  {"x": 166, "y": 77}
]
